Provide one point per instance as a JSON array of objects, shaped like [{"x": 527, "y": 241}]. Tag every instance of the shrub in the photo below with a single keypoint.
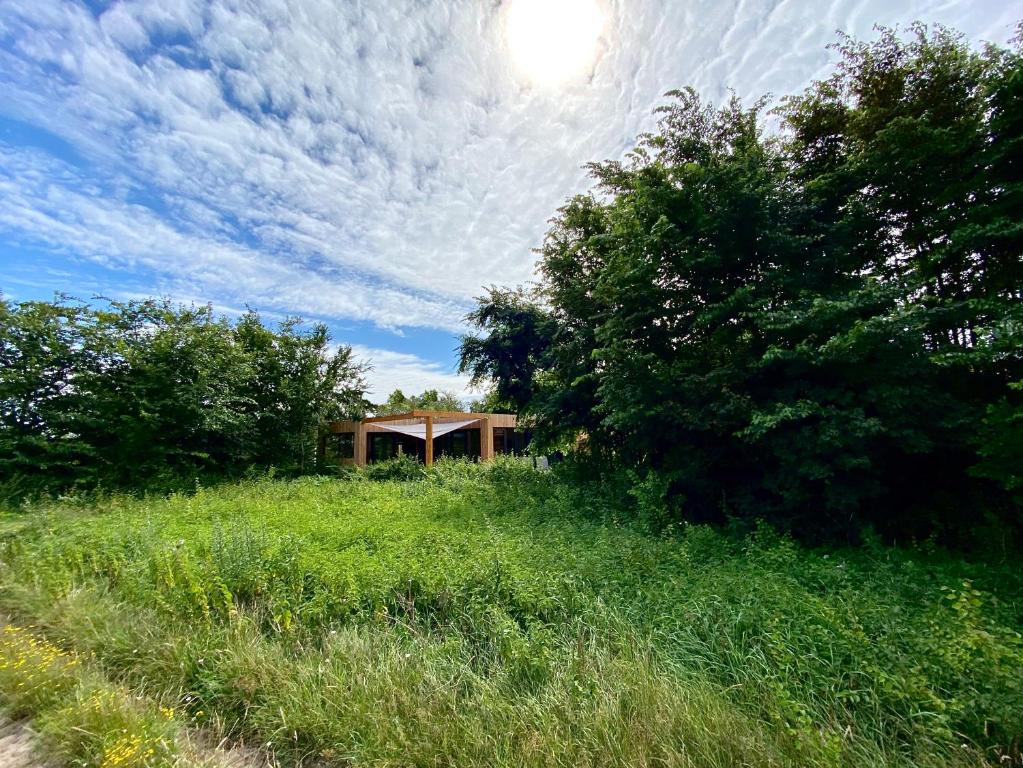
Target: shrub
[{"x": 404, "y": 467}]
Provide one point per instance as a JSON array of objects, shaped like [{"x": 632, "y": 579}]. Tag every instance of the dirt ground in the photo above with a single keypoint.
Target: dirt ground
[
  {"x": 18, "y": 741},
  {"x": 17, "y": 746}
]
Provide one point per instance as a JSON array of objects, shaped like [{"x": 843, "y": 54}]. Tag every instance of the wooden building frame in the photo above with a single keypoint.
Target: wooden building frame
[{"x": 361, "y": 431}]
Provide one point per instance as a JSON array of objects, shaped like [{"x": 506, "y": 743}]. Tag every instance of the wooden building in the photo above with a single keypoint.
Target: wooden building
[{"x": 425, "y": 434}]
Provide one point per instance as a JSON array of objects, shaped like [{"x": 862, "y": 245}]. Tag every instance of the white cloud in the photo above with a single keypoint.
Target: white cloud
[
  {"x": 124, "y": 28},
  {"x": 409, "y": 373},
  {"x": 377, "y": 161},
  {"x": 119, "y": 234}
]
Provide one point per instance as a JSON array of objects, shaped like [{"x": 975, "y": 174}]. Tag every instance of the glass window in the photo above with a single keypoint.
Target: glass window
[
  {"x": 381, "y": 447},
  {"x": 341, "y": 445}
]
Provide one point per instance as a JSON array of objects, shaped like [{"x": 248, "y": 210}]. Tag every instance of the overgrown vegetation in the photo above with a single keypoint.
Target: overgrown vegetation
[
  {"x": 820, "y": 325},
  {"x": 494, "y": 615},
  {"x": 819, "y": 329},
  {"x": 145, "y": 395},
  {"x": 83, "y": 719}
]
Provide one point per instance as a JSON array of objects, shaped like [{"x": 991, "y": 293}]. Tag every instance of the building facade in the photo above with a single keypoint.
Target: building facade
[{"x": 424, "y": 434}]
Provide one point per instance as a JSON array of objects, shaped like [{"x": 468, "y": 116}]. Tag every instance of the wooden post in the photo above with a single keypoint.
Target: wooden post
[
  {"x": 486, "y": 440},
  {"x": 360, "y": 444},
  {"x": 429, "y": 441}
]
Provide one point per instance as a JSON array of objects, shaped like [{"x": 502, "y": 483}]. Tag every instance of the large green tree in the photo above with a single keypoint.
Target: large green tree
[
  {"x": 146, "y": 394},
  {"x": 810, "y": 325},
  {"x": 429, "y": 400}
]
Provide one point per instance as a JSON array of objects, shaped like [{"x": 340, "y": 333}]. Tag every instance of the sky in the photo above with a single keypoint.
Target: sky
[{"x": 371, "y": 165}]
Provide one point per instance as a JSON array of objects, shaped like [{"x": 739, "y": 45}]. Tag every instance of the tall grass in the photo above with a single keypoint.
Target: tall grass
[
  {"x": 81, "y": 717},
  {"x": 492, "y": 615}
]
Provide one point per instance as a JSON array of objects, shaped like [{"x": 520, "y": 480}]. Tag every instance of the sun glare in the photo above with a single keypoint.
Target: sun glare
[{"x": 553, "y": 41}]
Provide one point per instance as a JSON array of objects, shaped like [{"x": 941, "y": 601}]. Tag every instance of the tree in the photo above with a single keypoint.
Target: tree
[
  {"x": 144, "y": 394},
  {"x": 490, "y": 402},
  {"x": 430, "y": 400},
  {"x": 806, "y": 326},
  {"x": 297, "y": 384},
  {"x": 41, "y": 409}
]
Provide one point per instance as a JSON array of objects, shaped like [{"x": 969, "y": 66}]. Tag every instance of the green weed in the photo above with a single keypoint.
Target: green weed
[
  {"x": 81, "y": 717},
  {"x": 493, "y": 615}
]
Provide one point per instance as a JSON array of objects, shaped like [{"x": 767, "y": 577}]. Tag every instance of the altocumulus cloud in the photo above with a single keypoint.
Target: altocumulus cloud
[
  {"x": 395, "y": 370},
  {"x": 377, "y": 161}
]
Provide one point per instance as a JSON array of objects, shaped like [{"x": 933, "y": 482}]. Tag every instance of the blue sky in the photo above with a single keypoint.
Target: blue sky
[{"x": 370, "y": 164}]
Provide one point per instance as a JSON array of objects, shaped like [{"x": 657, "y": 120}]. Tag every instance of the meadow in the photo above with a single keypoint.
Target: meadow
[{"x": 493, "y": 615}]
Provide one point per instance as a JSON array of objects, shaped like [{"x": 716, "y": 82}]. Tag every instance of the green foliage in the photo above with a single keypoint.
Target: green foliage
[
  {"x": 807, "y": 327},
  {"x": 518, "y": 333},
  {"x": 1001, "y": 443},
  {"x": 489, "y": 614},
  {"x": 80, "y": 717},
  {"x": 298, "y": 382},
  {"x": 491, "y": 402},
  {"x": 404, "y": 467},
  {"x": 146, "y": 395},
  {"x": 430, "y": 400}
]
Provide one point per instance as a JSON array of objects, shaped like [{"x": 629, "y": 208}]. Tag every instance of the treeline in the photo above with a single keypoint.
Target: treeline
[
  {"x": 147, "y": 395},
  {"x": 430, "y": 400},
  {"x": 820, "y": 325}
]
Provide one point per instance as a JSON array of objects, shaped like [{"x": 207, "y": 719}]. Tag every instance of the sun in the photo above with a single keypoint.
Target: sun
[{"x": 553, "y": 41}]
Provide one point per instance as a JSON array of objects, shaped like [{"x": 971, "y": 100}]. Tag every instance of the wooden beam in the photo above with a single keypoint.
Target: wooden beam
[
  {"x": 417, "y": 414},
  {"x": 429, "y": 441},
  {"x": 486, "y": 440},
  {"x": 360, "y": 444},
  {"x": 343, "y": 426},
  {"x": 390, "y": 417},
  {"x": 464, "y": 415}
]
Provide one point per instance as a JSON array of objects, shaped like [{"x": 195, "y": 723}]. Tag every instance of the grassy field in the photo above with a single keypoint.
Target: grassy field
[{"x": 492, "y": 615}]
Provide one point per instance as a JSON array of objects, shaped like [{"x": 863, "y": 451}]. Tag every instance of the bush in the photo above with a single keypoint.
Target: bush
[{"x": 403, "y": 468}]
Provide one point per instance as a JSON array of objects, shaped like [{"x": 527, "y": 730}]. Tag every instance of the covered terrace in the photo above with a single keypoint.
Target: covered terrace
[{"x": 425, "y": 434}]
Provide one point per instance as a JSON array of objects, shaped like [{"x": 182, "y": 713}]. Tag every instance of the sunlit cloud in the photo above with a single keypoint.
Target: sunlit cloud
[
  {"x": 376, "y": 162},
  {"x": 410, "y": 373},
  {"x": 554, "y": 40}
]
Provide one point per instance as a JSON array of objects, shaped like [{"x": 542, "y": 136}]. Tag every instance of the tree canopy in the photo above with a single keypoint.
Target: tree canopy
[
  {"x": 819, "y": 325},
  {"x": 430, "y": 400},
  {"x": 144, "y": 394}
]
